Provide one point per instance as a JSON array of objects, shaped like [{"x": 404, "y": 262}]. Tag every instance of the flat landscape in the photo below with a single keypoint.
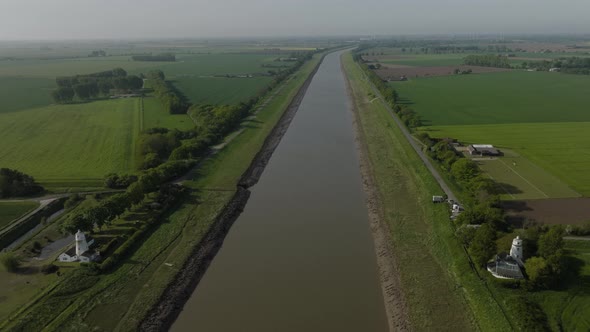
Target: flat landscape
[
  {"x": 77, "y": 144},
  {"x": 534, "y": 116}
]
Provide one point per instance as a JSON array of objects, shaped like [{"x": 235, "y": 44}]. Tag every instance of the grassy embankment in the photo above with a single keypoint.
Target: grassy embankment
[
  {"x": 10, "y": 211},
  {"x": 442, "y": 290},
  {"x": 126, "y": 294},
  {"x": 71, "y": 145}
]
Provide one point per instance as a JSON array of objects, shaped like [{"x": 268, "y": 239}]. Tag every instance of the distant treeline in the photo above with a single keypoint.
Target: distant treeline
[
  {"x": 573, "y": 65},
  {"x": 16, "y": 184},
  {"x": 93, "y": 85},
  {"x": 487, "y": 60},
  {"x": 159, "y": 57}
]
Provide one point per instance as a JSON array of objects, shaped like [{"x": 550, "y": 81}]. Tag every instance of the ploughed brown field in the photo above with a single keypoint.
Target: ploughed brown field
[
  {"x": 395, "y": 72},
  {"x": 564, "y": 211}
]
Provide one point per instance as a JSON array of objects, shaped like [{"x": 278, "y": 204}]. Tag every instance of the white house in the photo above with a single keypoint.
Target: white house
[
  {"x": 509, "y": 266},
  {"x": 80, "y": 252}
]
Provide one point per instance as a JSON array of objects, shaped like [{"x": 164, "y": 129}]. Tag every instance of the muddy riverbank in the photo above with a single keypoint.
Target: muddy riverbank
[
  {"x": 161, "y": 316},
  {"x": 393, "y": 294}
]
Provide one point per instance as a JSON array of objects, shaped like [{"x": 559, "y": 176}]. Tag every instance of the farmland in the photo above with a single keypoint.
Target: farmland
[
  {"x": 554, "y": 147},
  {"x": 534, "y": 114},
  {"x": 509, "y": 97},
  {"x": 95, "y": 138},
  {"x": 19, "y": 93},
  {"x": 10, "y": 211},
  {"x": 66, "y": 145}
]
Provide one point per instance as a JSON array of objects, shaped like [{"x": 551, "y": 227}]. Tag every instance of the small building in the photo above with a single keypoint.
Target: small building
[
  {"x": 555, "y": 69},
  {"x": 509, "y": 266},
  {"x": 81, "y": 252},
  {"x": 483, "y": 150}
]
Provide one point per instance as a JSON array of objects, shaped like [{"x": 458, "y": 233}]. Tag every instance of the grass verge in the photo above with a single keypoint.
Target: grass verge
[{"x": 442, "y": 290}]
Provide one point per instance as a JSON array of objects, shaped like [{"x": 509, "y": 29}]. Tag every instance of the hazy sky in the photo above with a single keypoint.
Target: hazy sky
[{"x": 78, "y": 19}]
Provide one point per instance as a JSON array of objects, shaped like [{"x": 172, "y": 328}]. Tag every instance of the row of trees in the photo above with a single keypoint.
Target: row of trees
[
  {"x": 16, "y": 184},
  {"x": 115, "y": 205},
  {"x": 172, "y": 100},
  {"x": 572, "y": 65},
  {"x": 488, "y": 60},
  {"x": 85, "y": 87}
]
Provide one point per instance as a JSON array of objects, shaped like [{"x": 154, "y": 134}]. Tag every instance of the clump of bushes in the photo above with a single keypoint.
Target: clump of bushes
[{"x": 10, "y": 261}]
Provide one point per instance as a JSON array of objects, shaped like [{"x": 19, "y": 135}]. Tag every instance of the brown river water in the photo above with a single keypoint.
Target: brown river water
[{"x": 301, "y": 256}]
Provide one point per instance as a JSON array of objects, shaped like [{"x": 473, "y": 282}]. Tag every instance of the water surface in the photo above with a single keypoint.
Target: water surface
[{"x": 301, "y": 256}]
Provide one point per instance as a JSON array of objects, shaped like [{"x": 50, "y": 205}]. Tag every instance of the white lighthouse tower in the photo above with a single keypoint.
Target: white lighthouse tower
[
  {"x": 82, "y": 245},
  {"x": 516, "y": 249}
]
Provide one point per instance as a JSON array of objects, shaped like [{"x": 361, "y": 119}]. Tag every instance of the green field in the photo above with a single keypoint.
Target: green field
[
  {"x": 426, "y": 60},
  {"x": 18, "y": 93},
  {"x": 217, "y": 90},
  {"x": 76, "y": 144},
  {"x": 10, "y": 211},
  {"x": 154, "y": 116},
  {"x": 518, "y": 178},
  {"x": 555, "y": 147},
  {"x": 443, "y": 293},
  {"x": 507, "y": 97}
]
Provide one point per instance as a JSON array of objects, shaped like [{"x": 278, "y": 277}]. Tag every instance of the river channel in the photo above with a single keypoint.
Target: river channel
[{"x": 301, "y": 256}]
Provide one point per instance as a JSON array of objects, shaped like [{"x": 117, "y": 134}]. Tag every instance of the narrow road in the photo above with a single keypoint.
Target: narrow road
[{"x": 413, "y": 142}]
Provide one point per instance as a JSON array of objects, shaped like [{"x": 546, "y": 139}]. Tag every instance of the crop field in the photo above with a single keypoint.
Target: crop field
[
  {"x": 18, "y": 93},
  {"x": 76, "y": 144},
  {"x": 220, "y": 90},
  {"x": 10, "y": 211},
  {"x": 154, "y": 116},
  {"x": 507, "y": 97}
]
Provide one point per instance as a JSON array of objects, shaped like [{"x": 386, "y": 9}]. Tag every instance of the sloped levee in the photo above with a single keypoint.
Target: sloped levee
[{"x": 163, "y": 315}]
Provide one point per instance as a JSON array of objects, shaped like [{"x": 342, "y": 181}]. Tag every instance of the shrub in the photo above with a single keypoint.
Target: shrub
[{"x": 10, "y": 261}]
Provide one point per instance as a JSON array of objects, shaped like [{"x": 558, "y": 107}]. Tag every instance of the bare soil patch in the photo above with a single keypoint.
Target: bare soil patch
[
  {"x": 557, "y": 211},
  {"x": 396, "y": 73}
]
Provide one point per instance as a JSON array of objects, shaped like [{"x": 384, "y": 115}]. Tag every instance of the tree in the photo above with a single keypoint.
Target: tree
[
  {"x": 464, "y": 170},
  {"x": 82, "y": 91},
  {"x": 10, "y": 261},
  {"x": 63, "y": 95},
  {"x": 551, "y": 243},
  {"x": 119, "y": 72},
  {"x": 105, "y": 87},
  {"x": 538, "y": 272},
  {"x": 134, "y": 82},
  {"x": 483, "y": 246},
  {"x": 15, "y": 183}
]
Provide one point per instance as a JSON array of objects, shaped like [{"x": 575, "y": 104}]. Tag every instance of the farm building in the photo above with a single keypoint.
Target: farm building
[
  {"x": 81, "y": 252},
  {"x": 483, "y": 150},
  {"x": 508, "y": 266}
]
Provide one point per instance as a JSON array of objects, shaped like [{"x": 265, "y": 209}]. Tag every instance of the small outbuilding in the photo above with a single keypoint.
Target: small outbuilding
[{"x": 483, "y": 150}]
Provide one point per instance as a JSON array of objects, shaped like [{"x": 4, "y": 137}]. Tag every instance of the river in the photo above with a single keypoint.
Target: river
[{"x": 301, "y": 256}]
